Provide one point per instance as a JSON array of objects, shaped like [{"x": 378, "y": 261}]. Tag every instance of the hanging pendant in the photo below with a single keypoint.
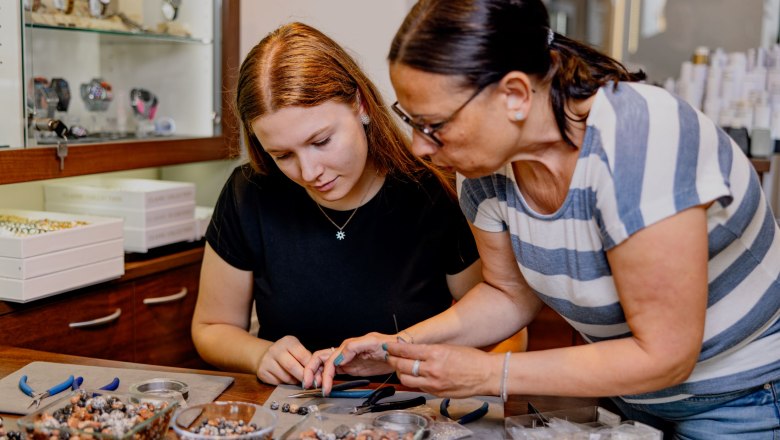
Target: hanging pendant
[{"x": 341, "y": 235}]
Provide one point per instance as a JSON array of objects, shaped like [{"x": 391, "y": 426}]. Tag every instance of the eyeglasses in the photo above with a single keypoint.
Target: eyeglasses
[{"x": 429, "y": 130}]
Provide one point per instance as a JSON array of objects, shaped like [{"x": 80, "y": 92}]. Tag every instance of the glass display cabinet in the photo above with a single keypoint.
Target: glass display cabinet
[{"x": 103, "y": 85}]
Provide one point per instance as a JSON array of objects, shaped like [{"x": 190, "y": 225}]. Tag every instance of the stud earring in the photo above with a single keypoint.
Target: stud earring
[
  {"x": 519, "y": 116},
  {"x": 365, "y": 119}
]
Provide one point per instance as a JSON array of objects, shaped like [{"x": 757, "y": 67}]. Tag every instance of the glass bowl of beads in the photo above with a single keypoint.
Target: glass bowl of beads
[
  {"x": 100, "y": 415},
  {"x": 224, "y": 420}
]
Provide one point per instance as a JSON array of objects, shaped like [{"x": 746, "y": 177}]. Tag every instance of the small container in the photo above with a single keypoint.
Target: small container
[
  {"x": 402, "y": 422},
  {"x": 43, "y": 425},
  {"x": 187, "y": 421},
  {"x": 161, "y": 387}
]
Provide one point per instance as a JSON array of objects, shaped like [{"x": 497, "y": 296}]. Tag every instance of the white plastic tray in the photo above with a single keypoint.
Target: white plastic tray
[
  {"x": 34, "y": 288},
  {"x": 124, "y": 193},
  {"x": 134, "y": 218},
  {"x": 98, "y": 229},
  {"x": 141, "y": 240},
  {"x": 31, "y": 267}
]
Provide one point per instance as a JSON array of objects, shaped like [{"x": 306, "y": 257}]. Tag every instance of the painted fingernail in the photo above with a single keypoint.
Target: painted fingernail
[
  {"x": 339, "y": 360},
  {"x": 387, "y": 355},
  {"x": 315, "y": 383},
  {"x": 384, "y": 346}
]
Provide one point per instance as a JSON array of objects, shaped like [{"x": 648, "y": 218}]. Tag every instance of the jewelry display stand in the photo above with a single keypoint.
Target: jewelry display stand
[{"x": 104, "y": 49}]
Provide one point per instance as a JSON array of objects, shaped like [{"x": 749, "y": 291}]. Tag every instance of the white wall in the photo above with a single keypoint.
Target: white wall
[{"x": 364, "y": 27}]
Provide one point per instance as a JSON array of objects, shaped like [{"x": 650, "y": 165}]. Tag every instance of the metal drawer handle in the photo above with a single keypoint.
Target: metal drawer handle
[
  {"x": 96, "y": 322},
  {"x": 166, "y": 299}
]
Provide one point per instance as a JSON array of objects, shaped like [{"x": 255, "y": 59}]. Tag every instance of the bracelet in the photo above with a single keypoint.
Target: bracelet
[
  {"x": 504, "y": 396},
  {"x": 404, "y": 332}
]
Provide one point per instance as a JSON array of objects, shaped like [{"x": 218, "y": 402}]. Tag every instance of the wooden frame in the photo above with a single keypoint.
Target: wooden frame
[{"x": 39, "y": 163}]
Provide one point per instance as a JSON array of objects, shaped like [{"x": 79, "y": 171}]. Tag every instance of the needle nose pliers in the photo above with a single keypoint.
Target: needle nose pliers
[
  {"x": 38, "y": 397},
  {"x": 111, "y": 386}
]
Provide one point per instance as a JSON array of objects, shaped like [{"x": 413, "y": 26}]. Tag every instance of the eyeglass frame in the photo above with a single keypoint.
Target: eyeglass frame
[{"x": 429, "y": 130}]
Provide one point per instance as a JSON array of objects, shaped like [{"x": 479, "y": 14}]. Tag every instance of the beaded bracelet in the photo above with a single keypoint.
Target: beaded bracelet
[{"x": 504, "y": 396}]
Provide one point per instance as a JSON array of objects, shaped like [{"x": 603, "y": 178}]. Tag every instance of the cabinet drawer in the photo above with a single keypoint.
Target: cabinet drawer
[
  {"x": 96, "y": 323},
  {"x": 164, "y": 304}
]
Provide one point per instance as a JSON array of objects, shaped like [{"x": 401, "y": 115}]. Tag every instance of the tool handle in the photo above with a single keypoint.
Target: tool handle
[
  {"x": 350, "y": 394},
  {"x": 61, "y": 386},
  {"x": 76, "y": 383},
  {"x": 401, "y": 404},
  {"x": 111, "y": 386},
  {"x": 26, "y": 388},
  {"x": 475, "y": 415},
  {"x": 351, "y": 384},
  {"x": 379, "y": 394}
]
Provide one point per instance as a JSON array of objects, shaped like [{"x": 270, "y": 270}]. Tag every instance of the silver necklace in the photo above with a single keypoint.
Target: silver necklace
[{"x": 340, "y": 234}]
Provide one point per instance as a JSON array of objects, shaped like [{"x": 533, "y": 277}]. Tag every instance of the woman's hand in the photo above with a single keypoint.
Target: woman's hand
[
  {"x": 363, "y": 356},
  {"x": 447, "y": 370},
  {"x": 283, "y": 362}
]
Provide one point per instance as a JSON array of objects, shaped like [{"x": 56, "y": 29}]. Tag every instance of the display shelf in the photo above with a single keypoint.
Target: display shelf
[
  {"x": 124, "y": 35},
  {"x": 41, "y": 162}
]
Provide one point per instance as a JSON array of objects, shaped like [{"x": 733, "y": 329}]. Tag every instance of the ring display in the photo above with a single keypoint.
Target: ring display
[
  {"x": 62, "y": 89},
  {"x": 144, "y": 103},
  {"x": 97, "y": 95}
]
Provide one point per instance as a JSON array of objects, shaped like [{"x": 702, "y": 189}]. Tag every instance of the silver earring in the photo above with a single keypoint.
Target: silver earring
[
  {"x": 365, "y": 119},
  {"x": 519, "y": 116}
]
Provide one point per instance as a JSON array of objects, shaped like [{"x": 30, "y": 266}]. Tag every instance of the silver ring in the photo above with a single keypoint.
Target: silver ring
[{"x": 416, "y": 368}]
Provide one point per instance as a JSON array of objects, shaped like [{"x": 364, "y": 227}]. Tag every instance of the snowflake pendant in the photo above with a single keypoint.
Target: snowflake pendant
[{"x": 341, "y": 235}]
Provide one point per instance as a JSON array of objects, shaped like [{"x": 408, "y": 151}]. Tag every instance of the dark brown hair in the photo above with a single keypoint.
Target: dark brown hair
[
  {"x": 482, "y": 40},
  {"x": 297, "y": 65}
]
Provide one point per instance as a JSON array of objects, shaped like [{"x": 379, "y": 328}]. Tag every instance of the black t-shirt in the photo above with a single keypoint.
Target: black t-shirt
[{"x": 399, "y": 246}]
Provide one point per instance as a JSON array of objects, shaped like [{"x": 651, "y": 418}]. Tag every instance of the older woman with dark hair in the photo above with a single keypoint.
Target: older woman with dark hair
[{"x": 614, "y": 202}]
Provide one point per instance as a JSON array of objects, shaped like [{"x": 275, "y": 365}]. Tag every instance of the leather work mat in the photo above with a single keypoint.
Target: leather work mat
[
  {"x": 332, "y": 414},
  {"x": 43, "y": 375}
]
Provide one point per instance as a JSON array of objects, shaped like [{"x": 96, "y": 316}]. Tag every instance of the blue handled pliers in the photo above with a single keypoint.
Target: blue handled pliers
[
  {"x": 467, "y": 418},
  {"x": 112, "y": 386},
  {"x": 38, "y": 397}
]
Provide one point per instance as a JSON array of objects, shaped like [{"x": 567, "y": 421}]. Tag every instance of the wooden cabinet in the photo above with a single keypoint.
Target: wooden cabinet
[
  {"x": 163, "y": 313},
  {"x": 550, "y": 330},
  {"x": 143, "y": 317},
  {"x": 97, "y": 322}
]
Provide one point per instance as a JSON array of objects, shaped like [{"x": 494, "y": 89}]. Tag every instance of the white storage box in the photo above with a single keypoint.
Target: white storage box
[
  {"x": 134, "y": 218},
  {"x": 58, "y": 282},
  {"x": 95, "y": 230},
  {"x": 141, "y": 240},
  {"x": 44, "y": 264},
  {"x": 124, "y": 193},
  {"x": 202, "y": 220}
]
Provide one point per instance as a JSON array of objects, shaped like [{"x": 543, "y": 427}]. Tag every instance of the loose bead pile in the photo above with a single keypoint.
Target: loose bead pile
[
  {"x": 21, "y": 226},
  {"x": 290, "y": 408},
  {"x": 223, "y": 427},
  {"x": 9, "y": 435},
  {"x": 358, "y": 432},
  {"x": 107, "y": 415}
]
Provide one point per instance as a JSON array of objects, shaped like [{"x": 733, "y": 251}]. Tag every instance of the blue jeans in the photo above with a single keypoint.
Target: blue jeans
[{"x": 752, "y": 414}]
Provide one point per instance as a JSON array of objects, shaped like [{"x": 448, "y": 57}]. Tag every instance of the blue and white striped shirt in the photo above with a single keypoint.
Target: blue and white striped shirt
[{"x": 647, "y": 155}]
